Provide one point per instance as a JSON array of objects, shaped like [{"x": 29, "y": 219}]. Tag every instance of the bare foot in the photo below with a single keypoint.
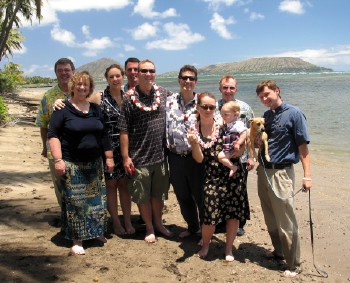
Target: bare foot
[
  {"x": 77, "y": 248},
  {"x": 203, "y": 253},
  {"x": 118, "y": 229},
  {"x": 102, "y": 239},
  {"x": 150, "y": 238},
  {"x": 129, "y": 228},
  {"x": 164, "y": 231}
]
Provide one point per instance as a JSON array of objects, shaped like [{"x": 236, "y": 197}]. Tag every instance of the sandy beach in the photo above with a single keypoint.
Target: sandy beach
[{"x": 31, "y": 249}]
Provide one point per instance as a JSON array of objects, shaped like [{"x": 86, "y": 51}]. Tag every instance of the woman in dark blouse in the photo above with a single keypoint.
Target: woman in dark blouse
[
  {"x": 78, "y": 139},
  {"x": 110, "y": 101}
]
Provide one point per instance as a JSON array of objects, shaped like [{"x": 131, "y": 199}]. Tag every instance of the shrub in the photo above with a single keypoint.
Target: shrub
[{"x": 3, "y": 112}]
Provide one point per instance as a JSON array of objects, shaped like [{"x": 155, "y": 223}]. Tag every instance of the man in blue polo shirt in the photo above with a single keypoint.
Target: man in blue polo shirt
[{"x": 288, "y": 140}]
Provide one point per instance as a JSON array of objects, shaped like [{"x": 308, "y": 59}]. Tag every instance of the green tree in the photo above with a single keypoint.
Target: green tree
[
  {"x": 10, "y": 78},
  {"x": 9, "y": 16}
]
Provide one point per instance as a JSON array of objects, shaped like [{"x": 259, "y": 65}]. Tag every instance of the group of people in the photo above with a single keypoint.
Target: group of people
[{"x": 138, "y": 138}]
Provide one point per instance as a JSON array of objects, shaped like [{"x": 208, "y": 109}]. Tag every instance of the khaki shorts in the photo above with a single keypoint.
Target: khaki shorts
[{"x": 149, "y": 181}]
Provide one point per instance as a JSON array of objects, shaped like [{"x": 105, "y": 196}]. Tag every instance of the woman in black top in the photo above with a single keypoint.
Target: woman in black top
[{"x": 77, "y": 139}]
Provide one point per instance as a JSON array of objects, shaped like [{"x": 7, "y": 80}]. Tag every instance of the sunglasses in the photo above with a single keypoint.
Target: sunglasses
[
  {"x": 185, "y": 78},
  {"x": 228, "y": 87},
  {"x": 206, "y": 107},
  {"x": 145, "y": 71}
]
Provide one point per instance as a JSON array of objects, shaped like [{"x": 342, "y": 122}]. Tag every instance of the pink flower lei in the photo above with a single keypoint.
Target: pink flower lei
[
  {"x": 214, "y": 137},
  {"x": 183, "y": 116},
  {"x": 156, "y": 103}
]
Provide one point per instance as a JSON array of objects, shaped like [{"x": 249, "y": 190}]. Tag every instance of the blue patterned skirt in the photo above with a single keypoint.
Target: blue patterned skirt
[{"x": 84, "y": 202}]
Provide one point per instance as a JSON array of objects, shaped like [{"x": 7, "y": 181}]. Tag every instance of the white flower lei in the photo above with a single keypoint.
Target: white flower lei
[
  {"x": 182, "y": 116},
  {"x": 214, "y": 138},
  {"x": 156, "y": 103}
]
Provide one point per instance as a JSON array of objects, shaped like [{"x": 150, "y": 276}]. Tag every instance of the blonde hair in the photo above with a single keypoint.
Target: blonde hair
[
  {"x": 232, "y": 106},
  {"x": 84, "y": 76}
]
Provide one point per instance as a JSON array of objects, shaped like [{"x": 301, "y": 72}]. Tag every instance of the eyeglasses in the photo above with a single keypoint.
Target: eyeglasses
[
  {"x": 206, "y": 107},
  {"x": 63, "y": 71},
  {"x": 145, "y": 71},
  {"x": 225, "y": 87},
  {"x": 132, "y": 69},
  {"x": 185, "y": 78}
]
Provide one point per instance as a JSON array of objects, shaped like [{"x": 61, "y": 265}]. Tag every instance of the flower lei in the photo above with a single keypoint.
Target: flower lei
[
  {"x": 156, "y": 103},
  {"x": 182, "y": 116},
  {"x": 210, "y": 143}
]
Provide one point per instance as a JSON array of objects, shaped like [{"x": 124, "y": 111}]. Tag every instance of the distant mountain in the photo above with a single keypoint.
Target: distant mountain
[
  {"x": 264, "y": 65},
  {"x": 97, "y": 68}
]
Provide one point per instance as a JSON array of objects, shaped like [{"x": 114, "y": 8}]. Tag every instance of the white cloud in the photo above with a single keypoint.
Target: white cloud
[
  {"x": 332, "y": 57},
  {"x": 144, "y": 31},
  {"x": 291, "y": 6},
  {"x": 179, "y": 37},
  {"x": 128, "y": 47},
  {"x": 87, "y": 5},
  {"x": 49, "y": 9},
  {"x": 86, "y": 31},
  {"x": 97, "y": 43},
  {"x": 38, "y": 70},
  {"x": 63, "y": 36},
  {"x": 256, "y": 16},
  {"x": 92, "y": 46},
  {"x": 216, "y": 4},
  {"x": 145, "y": 9},
  {"x": 219, "y": 24}
]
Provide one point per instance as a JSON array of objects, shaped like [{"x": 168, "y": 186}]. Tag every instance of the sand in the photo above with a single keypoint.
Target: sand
[{"x": 31, "y": 249}]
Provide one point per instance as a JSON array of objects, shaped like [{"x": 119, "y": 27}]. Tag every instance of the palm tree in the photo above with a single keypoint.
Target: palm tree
[
  {"x": 13, "y": 42},
  {"x": 9, "y": 10}
]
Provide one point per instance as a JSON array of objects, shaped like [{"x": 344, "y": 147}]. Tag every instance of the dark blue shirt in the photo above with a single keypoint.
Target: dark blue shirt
[
  {"x": 83, "y": 136},
  {"x": 286, "y": 129}
]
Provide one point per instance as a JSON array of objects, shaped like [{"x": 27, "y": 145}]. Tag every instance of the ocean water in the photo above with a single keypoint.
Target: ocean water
[{"x": 323, "y": 98}]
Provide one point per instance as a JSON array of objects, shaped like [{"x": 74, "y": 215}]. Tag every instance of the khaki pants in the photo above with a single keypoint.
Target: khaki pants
[{"x": 275, "y": 189}]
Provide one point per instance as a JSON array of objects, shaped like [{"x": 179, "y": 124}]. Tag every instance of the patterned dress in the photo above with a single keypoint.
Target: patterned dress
[
  {"x": 224, "y": 197},
  {"x": 111, "y": 112}
]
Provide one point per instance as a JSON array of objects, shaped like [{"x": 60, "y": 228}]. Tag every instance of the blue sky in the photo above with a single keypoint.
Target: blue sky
[{"x": 177, "y": 32}]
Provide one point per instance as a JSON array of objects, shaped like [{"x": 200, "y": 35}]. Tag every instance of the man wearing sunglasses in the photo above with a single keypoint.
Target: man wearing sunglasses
[
  {"x": 142, "y": 124},
  {"x": 186, "y": 175},
  {"x": 228, "y": 89}
]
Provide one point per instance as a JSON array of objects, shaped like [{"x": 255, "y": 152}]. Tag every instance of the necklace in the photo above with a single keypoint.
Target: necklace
[
  {"x": 140, "y": 105},
  {"x": 183, "y": 116},
  {"x": 214, "y": 137}
]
